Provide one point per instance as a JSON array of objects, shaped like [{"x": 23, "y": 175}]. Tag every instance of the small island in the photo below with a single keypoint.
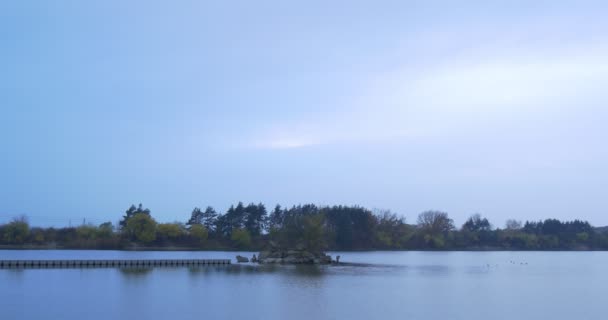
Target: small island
[
  {"x": 298, "y": 255},
  {"x": 275, "y": 254}
]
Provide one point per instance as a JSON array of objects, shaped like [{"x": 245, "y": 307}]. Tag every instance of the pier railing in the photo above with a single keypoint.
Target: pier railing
[{"x": 110, "y": 263}]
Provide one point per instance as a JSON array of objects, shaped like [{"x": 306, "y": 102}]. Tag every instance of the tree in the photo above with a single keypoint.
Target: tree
[
  {"x": 364, "y": 224},
  {"x": 222, "y": 227},
  {"x": 349, "y": 227},
  {"x": 532, "y": 227},
  {"x": 255, "y": 218},
  {"x": 552, "y": 227},
  {"x": 476, "y": 224},
  {"x": 391, "y": 231},
  {"x": 433, "y": 227},
  {"x": 275, "y": 220},
  {"x": 36, "y": 235},
  {"x": 301, "y": 226},
  {"x": 513, "y": 225},
  {"x": 17, "y": 231},
  {"x": 106, "y": 230},
  {"x": 241, "y": 238},
  {"x": 435, "y": 222},
  {"x": 132, "y": 211},
  {"x": 196, "y": 217},
  {"x": 207, "y": 218},
  {"x": 233, "y": 219},
  {"x": 312, "y": 233},
  {"x": 170, "y": 231},
  {"x": 237, "y": 216},
  {"x": 199, "y": 232},
  {"x": 476, "y": 231},
  {"x": 141, "y": 227},
  {"x": 86, "y": 232}
]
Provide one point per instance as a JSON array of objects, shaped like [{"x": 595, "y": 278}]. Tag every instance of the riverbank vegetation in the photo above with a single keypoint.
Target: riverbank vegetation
[{"x": 252, "y": 227}]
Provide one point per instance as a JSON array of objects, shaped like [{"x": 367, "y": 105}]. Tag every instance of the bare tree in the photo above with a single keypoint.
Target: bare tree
[
  {"x": 513, "y": 224},
  {"x": 435, "y": 222}
]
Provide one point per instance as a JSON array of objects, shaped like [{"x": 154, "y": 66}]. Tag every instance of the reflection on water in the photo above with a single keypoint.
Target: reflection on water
[
  {"x": 374, "y": 285},
  {"x": 252, "y": 269},
  {"x": 433, "y": 270},
  {"x": 298, "y": 270},
  {"x": 135, "y": 271},
  {"x": 307, "y": 271}
]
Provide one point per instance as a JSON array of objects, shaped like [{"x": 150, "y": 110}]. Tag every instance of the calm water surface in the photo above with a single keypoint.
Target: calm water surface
[{"x": 396, "y": 285}]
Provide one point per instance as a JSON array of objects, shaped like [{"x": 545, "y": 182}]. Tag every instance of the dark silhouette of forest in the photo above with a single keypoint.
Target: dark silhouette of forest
[{"x": 252, "y": 226}]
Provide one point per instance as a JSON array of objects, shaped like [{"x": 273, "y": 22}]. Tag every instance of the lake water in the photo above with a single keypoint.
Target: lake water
[{"x": 396, "y": 285}]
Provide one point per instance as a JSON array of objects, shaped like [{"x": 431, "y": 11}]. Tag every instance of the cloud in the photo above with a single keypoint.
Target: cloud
[
  {"x": 478, "y": 89},
  {"x": 283, "y": 141},
  {"x": 495, "y": 84}
]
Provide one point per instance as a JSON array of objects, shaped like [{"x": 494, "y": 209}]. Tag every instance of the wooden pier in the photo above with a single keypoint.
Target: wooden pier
[{"x": 110, "y": 263}]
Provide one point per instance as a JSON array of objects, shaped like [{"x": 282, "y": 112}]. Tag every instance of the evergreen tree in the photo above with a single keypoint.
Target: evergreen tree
[
  {"x": 476, "y": 224},
  {"x": 209, "y": 218},
  {"x": 255, "y": 217},
  {"x": 206, "y": 218},
  {"x": 275, "y": 220},
  {"x": 233, "y": 219},
  {"x": 196, "y": 217},
  {"x": 132, "y": 211}
]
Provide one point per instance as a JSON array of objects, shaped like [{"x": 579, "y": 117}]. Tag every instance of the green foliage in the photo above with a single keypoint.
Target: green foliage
[
  {"x": 87, "y": 232},
  {"x": 132, "y": 211},
  {"x": 16, "y": 231},
  {"x": 207, "y": 218},
  {"x": 141, "y": 227},
  {"x": 196, "y": 217},
  {"x": 384, "y": 240},
  {"x": 476, "y": 231},
  {"x": 391, "y": 231},
  {"x": 476, "y": 224},
  {"x": 582, "y": 237},
  {"x": 251, "y": 218},
  {"x": 316, "y": 228},
  {"x": 36, "y": 235},
  {"x": 349, "y": 227},
  {"x": 241, "y": 238},
  {"x": 300, "y": 226},
  {"x": 170, "y": 231},
  {"x": 275, "y": 220},
  {"x": 255, "y": 218},
  {"x": 199, "y": 233},
  {"x": 434, "y": 241},
  {"x": 312, "y": 232},
  {"x": 232, "y": 220},
  {"x": 106, "y": 230}
]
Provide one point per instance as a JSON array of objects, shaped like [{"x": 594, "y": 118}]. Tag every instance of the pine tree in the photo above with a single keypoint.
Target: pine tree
[{"x": 131, "y": 212}]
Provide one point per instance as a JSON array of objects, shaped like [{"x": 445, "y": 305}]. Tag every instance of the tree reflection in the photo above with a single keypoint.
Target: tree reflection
[
  {"x": 135, "y": 271},
  {"x": 299, "y": 270}
]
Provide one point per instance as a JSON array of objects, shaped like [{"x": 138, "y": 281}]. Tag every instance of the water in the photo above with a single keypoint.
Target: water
[{"x": 396, "y": 285}]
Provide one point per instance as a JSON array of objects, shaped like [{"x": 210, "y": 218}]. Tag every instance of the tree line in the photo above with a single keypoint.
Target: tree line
[{"x": 253, "y": 227}]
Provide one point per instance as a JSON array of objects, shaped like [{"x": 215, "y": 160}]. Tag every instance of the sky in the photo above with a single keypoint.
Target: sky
[{"x": 491, "y": 107}]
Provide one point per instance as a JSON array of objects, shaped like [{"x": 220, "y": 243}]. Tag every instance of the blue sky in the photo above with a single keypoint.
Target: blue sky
[{"x": 491, "y": 107}]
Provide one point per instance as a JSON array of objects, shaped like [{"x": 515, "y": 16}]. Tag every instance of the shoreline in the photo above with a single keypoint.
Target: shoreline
[{"x": 191, "y": 249}]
